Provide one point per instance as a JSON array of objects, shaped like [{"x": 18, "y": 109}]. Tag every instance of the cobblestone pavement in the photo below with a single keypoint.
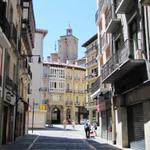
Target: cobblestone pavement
[{"x": 57, "y": 138}]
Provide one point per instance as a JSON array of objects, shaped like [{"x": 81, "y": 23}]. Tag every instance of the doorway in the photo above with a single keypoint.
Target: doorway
[{"x": 55, "y": 116}]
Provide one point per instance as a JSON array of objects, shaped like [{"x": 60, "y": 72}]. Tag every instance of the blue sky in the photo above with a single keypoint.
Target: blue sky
[{"x": 56, "y": 15}]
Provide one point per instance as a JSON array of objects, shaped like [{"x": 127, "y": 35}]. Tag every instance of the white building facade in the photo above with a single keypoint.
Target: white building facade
[{"x": 37, "y": 112}]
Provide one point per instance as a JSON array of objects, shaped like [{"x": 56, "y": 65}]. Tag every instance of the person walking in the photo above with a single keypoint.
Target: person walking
[
  {"x": 87, "y": 129},
  {"x": 73, "y": 125},
  {"x": 65, "y": 124}
]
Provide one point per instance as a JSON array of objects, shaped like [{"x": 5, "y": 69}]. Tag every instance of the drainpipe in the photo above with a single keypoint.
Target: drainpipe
[
  {"x": 144, "y": 34},
  {"x": 2, "y": 95},
  {"x": 17, "y": 99},
  {"x": 147, "y": 38},
  {"x": 113, "y": 118}
]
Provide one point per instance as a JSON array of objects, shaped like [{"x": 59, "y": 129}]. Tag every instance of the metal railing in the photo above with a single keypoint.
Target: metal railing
[
  {"x": 93, "y": 61},
  {"x": 95, "y": 86},
  {"x": 127, "y": 51},
  {"x": 94, "y": 47}
]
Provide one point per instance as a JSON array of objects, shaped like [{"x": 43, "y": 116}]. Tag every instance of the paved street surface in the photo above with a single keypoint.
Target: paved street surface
[{"x": 56, "y": 138}]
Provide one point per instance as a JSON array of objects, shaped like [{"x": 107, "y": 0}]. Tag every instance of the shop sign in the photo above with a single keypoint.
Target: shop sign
[
  {"x": 101, "y": 106},
  {"x": 42, "y": 107},
  {"x": 9, "y": 97}
]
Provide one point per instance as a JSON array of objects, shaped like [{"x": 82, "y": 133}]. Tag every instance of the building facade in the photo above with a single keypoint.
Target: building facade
[
  {"x": 15, "y": 26},
  {"x": 127, "y": 69},
  {"x": 68, "y": 47},
  {"x": 37, "y": 118},
  {"x": 91, "y": 76},
  {"x": 64, "y": 92}
]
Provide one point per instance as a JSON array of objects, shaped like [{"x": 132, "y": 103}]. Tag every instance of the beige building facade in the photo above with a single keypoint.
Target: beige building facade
[
  {"x": 64, "y": 92},
  {"x": 15, "y": 45},
  {"x": 91, "y": 52},
  {"x": 126, "y": 67}
]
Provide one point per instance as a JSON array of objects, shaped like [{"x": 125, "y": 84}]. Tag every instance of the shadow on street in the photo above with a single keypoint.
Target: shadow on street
[{"x": 56, "y": 143}]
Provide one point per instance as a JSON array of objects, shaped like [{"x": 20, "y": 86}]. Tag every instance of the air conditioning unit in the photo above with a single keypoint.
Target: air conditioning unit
[
  {"x": 139, "y": 54},
  {"x": 145, "y": 2}
]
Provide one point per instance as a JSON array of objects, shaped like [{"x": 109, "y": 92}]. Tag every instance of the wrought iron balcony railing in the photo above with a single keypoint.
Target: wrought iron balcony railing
[
  {"x": 130, "y": 50},
  {"x": 102, "y": 5},
  {"x": 95, "y": 86},
  {"x": 92, "y": 62},
  {"x": 94, "y": 47}
]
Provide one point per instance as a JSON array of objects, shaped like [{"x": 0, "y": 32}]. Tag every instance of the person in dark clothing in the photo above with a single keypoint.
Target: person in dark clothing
[{"x": 87, "y": 129}]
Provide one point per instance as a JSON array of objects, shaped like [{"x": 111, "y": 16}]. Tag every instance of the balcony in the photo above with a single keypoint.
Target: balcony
[
  {"x": 77, "y": 103},
  {"x": 92, "y": 76},
  {"x": 95, "y": 86},
  {"x": 68, "y": 90},
  {"x": 145, "y": 2},
  {"x": 112, "y": 22},
  {"x": 92, "y": 49},
  {"x": 91, "y": 63},
  {"x": 69, "y": 103},
  {"x": 125, "y": 59},
  {"x": 28, "y": 26},
  {"x": 103, "y": 5},
  {"x": 124, "y": 6},
  {"x": 25, "y": 69},
  {"x": 13, "y": 36},
  {"x": 43, "y": 89}
]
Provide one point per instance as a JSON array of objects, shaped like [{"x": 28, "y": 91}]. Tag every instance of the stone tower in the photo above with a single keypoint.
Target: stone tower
[{"x": 68, "y": 47}]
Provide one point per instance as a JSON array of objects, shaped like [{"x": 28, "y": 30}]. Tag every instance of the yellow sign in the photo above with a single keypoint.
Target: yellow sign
[{"x": 42, "y": 107}]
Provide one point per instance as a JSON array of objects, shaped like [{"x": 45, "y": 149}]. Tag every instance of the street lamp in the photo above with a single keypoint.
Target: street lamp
[
  {"x": 39, "y": 58},
  {"x": 33, "y": 107}
]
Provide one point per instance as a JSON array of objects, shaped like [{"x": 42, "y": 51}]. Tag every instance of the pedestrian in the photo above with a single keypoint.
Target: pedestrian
[
  {"x": 92, "y": 131},
  {"x": 73, "y": 125},
  {"x": 87, "y": 129},
  {"x": 95, "y": 127},
  {"x": 65, "y": 124}
]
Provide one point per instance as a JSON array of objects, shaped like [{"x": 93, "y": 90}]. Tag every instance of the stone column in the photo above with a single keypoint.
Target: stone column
[
  {"x": 146, "y": 111},
  {"x": 121, "y": 127}
]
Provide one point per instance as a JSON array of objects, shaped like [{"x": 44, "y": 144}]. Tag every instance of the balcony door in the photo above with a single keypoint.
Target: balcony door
[{"x": 133, "y": 36}]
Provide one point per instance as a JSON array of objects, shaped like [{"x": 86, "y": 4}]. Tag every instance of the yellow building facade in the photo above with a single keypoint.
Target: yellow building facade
[
  {"x": 91, "y": 75},
  {"x": 64, "y": 92}
]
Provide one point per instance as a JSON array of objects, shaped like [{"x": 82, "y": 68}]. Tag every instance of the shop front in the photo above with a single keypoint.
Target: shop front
[{"x": 104, "y": 107}]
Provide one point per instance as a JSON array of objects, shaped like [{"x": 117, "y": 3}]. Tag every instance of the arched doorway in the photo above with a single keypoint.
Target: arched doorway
[{"x": 55, "y": 116}]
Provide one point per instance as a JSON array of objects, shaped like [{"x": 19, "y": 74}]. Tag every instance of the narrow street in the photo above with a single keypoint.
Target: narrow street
[{"x": 56, "y": 138}]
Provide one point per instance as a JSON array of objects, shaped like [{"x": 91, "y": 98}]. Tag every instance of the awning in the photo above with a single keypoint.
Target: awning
[{"x": 97, "y": 93}]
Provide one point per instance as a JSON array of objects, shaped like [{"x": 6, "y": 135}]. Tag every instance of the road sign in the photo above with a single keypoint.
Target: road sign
[{"x": 42, "y": 107}]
